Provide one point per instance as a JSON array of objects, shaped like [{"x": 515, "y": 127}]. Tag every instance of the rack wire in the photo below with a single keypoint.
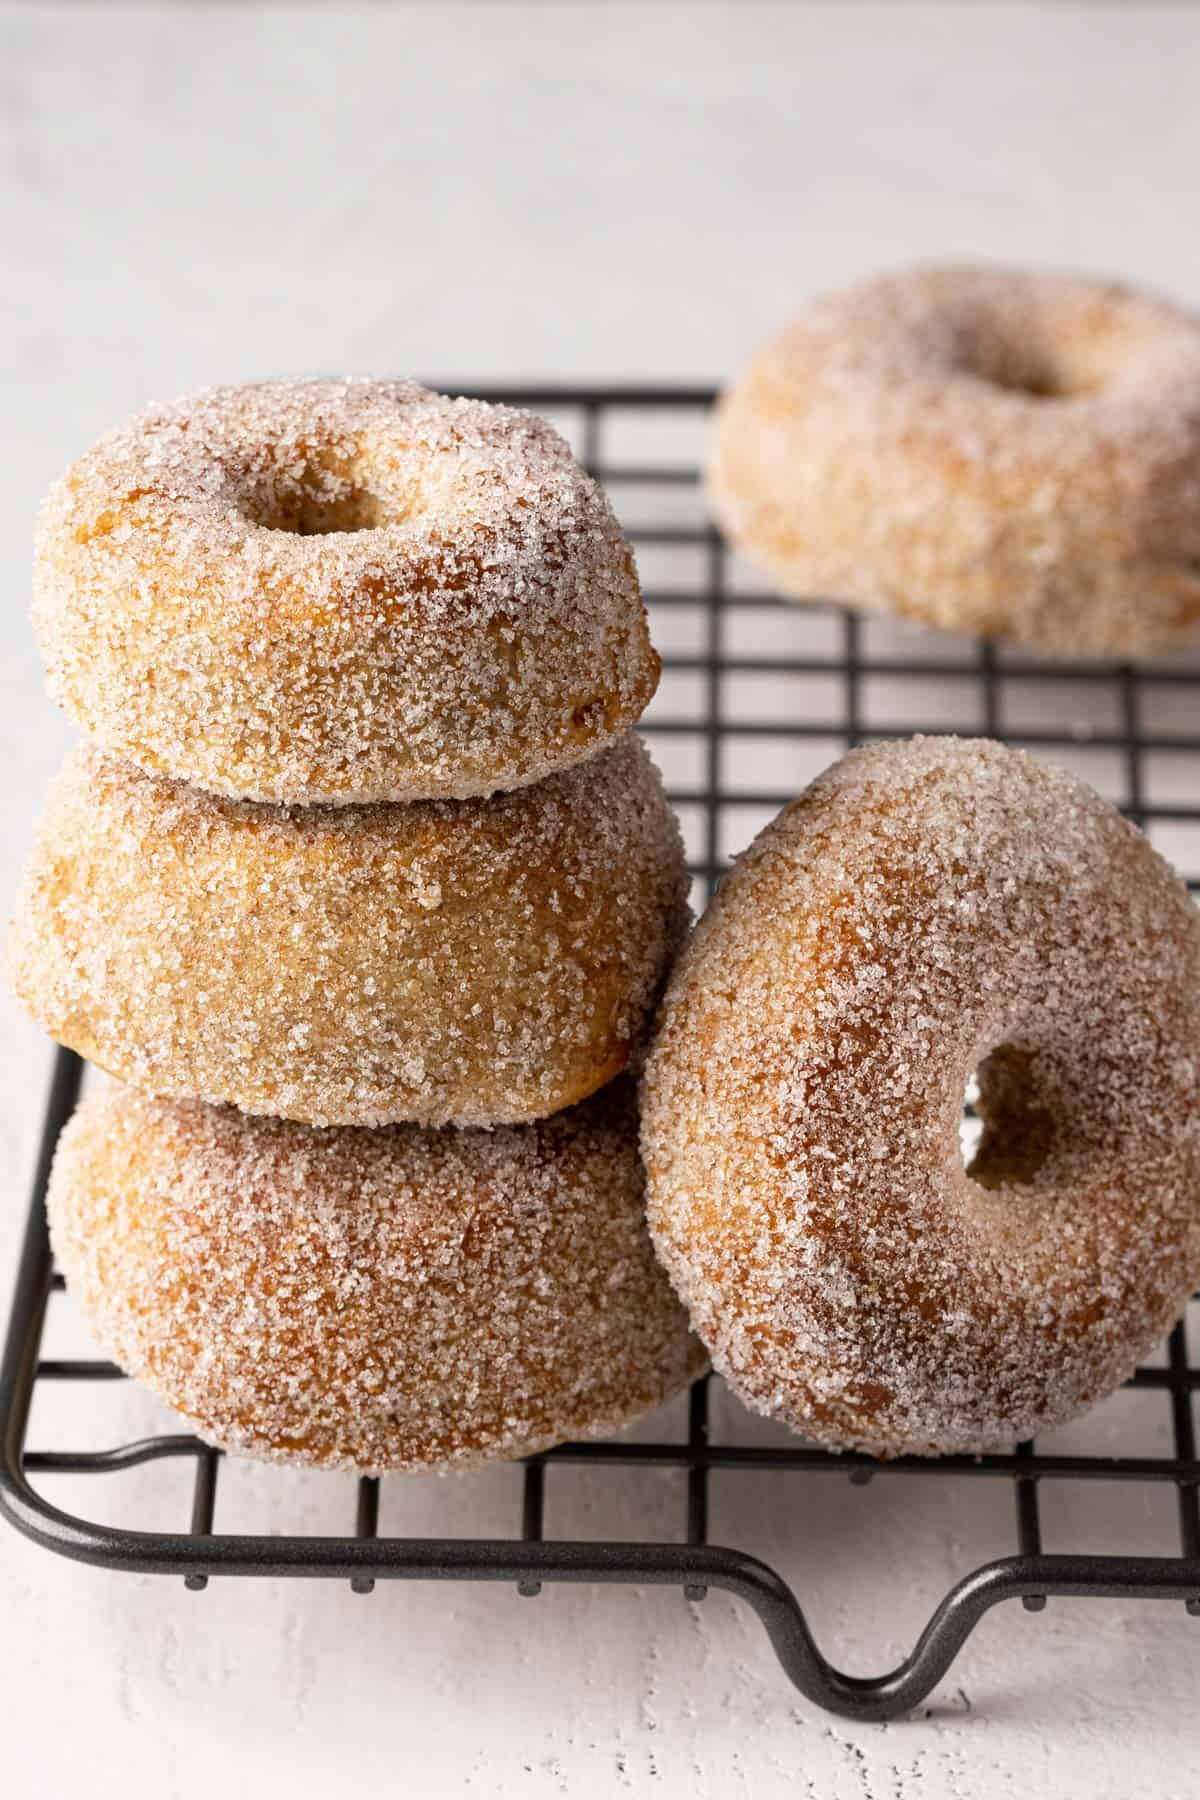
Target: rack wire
[{"x": 731, "y": 760}]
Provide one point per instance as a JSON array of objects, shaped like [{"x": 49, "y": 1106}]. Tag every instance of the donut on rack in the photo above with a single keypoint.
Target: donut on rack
[
  {"x": 371, "y": 1300},
  {"x": 474, "y": 961},
  {"x": 923, "y": 911},
  {"x": 335, "y": 591},
  {"x": 983, "y": 449}
]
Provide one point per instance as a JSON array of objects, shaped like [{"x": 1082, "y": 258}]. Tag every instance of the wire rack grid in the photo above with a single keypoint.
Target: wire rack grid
[{"x": 757, "y": 695}]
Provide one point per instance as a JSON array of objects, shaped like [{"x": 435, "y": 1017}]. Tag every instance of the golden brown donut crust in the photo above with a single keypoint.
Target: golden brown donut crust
[
  {"x": 922, "y": 911},
  {"x": 476, "y": 960},
  {"x": 982, "y": 449},
  {"x": 340, "y": 591},
  {"x": 371, "y": 1300}
]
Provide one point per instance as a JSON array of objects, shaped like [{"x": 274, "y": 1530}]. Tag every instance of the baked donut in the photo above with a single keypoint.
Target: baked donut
[
  {"x": 469, "y": 960},
  {"x": 371, "y": 1300},
  {"x": 924, "y": 910},
  {"x": 331, "y": 591},
  {"x": 982, "y": 449}
]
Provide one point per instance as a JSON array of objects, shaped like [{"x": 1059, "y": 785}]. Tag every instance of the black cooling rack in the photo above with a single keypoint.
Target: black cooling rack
[{"x": 1142, "y": 726}]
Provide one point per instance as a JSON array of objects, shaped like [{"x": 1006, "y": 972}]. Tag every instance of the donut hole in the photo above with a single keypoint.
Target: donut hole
[
  {"x": 305, "y": 491},
  {"x": 1023, "y": 366},
  {"x": 316, "y": 509},
  {"x": 320, "y": 515},
  {"x": 1008, "y": 1125},
  {"x": 1040, "y": 357},
  {"x": 1041, "y": 382}
]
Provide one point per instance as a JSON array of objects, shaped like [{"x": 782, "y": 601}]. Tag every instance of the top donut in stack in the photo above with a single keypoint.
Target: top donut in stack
[
  {"x": 340, "y": 591},
  {"x": 276, "y": 611}
]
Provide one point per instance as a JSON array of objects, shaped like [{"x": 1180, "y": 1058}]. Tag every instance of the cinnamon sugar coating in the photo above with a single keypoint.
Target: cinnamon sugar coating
[
  {"x": 924, "y": 910},
  {"x": 371, "y": 1300},
  {"x": 983, "y": 449},
  {"x": 474, "y": 961},
  {"x": 340, "y": 591}
]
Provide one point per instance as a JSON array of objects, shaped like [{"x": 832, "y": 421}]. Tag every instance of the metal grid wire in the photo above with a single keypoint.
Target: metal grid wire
[{"x": 734, "y": 750}]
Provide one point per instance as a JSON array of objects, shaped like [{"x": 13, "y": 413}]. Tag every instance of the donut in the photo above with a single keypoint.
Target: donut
[
  {"x": 338, "y": 591},
  {"x": 372, "y": 1300},
  {"x": 980, "y": 449},
  {"x": 925, "y": 910},
  {"x": 475, "y": 961}
]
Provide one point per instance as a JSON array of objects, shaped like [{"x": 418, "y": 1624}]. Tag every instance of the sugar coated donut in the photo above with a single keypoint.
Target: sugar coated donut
[
  {"x": 982, "y": 449},
  {"x": 372, "y": 1300},
  {"x": 340, "y": 591},
  {"x": 925, "y": 910},
  {"x": 471, "y": 960}
]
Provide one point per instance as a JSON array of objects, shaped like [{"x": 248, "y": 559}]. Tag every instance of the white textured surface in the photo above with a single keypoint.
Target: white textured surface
[{"x": 194, "y": 193}]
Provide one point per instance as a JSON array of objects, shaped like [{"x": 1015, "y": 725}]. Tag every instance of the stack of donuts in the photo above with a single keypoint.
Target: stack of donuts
[{"x": 363, "y": 889}]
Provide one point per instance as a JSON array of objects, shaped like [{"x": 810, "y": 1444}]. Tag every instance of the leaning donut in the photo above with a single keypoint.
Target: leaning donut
[
  {"x": 473, "y": 960},
  {"x": 374, "y": 1300},
  {"x": 340, "y": 591},
  {"x": 923, "y": 911},
  {"x": 982, "y": 449}
]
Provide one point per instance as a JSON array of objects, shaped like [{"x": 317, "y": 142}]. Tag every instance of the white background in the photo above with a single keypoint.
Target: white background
[{"x": 193, "y": 193}]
